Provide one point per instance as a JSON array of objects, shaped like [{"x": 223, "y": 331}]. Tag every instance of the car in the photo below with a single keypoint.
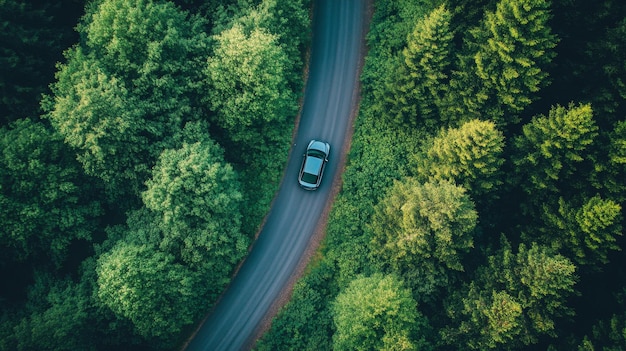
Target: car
[{"x": 313, "y": 164}]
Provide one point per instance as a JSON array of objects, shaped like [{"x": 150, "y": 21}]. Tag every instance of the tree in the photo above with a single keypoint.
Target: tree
[
  {"x": 377, "y": 313},
  {"x": 513, "y": 300},
  {"x": 421, "y": 230},
  {"x": 505, "y": 61},
  {"x": 427, "y": 57},
  {"x": 58, "y": 317},
  {"x": 289, "y": 21},
  {"x": 46, "y": 203},
  {"x": 127, "y": 90},
  {"x": 99, "y": 118},
  {"x": 248, "y": 87},
  {"x": 470, "y": 155},
  {"x": 149, "y": 288},
  {"x": 617, "y": 162},
  {"x": 585, "y": 234},
  {"x": 196, "y": 197},
  {"x": 550, "y": 148}
]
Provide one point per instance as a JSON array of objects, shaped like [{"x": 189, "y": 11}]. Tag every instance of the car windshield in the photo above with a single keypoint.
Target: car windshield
[{"x": 316, "y": 153}]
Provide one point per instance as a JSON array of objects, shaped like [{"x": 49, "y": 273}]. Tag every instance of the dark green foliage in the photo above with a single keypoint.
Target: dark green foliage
[
  {"x": 149, "y": 288},
  {"x": 585, "y": 234},
  {"x": 563, "y": 174},
  {"x": 247, "y": 86},
  {"x": 427, "y": 57},
  {"x": 33, "y": 36},
  {"x": 306, "y": 322},
  {"x": 377, "y": 313},
  {"x": 513, "y": 300},
  {"x": 129, "y": 106},
  {"x": 421, "y": 231},
  {"x": 505, "y": 62},
  {"x": 197, "y": 200},
  {"x": 608, "y": 334},
  {"x": 46, "y": 203}
]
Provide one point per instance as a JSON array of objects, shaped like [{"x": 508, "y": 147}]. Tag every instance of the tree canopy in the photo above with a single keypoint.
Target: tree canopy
[
  {"x": 377, "y": 313},
  {"x": 45, "y": 203},
  {"x": 421, "y": 230}
]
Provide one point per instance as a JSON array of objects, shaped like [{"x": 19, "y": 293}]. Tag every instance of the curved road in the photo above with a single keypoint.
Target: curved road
[{"x": 330, "y": 97}]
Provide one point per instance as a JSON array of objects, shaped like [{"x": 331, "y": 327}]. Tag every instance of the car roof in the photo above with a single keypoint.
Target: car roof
[{"x": 313, "y": 164}]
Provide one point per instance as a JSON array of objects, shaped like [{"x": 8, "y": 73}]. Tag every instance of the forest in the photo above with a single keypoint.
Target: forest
[
  {"x": 482, "y": 206},
  {"x": 130, "y": 183}
]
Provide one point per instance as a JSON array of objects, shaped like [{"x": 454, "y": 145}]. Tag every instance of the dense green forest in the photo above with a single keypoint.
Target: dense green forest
[
  {"x": 129, "y": 186},
  {"x": 482, "y": 205}
]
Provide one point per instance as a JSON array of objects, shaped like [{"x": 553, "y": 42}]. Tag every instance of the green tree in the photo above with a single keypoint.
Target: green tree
[
  {"x": 585, "y": 234},
  {"x": 427, "y": 57},
  {"x": 289, "y": 21},
  {"x": 58, "y": 316},
  {"x": 551, "y": 147},
  {"x": 377, "y": 313},
  {"x": 128, "y": 88},
  {"x": 470, "y": 155},
  {"x": 513, "y": 300},
  {"x": 196, "y": 197},
  {"x": 46, "y": 203},
  {"x": 103, "y": 122},
  {"x": 248, "y": 87},
  {"x": 149, "y": 288},
  {"x": 421, "y": 231},
  {"x": 504, "y": 66},
  {"x": 616, "y": 165}
]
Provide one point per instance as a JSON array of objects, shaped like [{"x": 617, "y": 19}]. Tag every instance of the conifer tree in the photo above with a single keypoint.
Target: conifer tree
[
  {"x": 505, "y": 63},
  {"x": 513, "y": 300},
  {"x": 427, "y": 60},
  {"x": 421, "y": 231},
  {"x": 551, "y": 147},
  {"x": 470, "y": 155},
  {"x": 377, "y": 313},
  {"x": 585, "y": 234}
]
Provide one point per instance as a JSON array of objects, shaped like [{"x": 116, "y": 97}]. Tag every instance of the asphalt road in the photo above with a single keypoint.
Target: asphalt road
[{"x": 330, "y": 97}]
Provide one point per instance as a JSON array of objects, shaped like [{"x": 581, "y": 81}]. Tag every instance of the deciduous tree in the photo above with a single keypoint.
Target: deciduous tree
[
  {"x": 46, "y": 202},
  {"x": 147, "y": 286},
  {"x": 248, "y": 87},
  {"x": 197, "y": 199}
]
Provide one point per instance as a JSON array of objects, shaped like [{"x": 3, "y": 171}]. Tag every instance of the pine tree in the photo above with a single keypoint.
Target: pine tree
[
  {"x": 505, "y": 61},
  {"x": 421, "y": 231},
  {"x": 513, "y": 300},
  {"x": 470, "y": 155},
  {"x": 427, "y": 59},
  {"x": 551, "y": 147}
]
